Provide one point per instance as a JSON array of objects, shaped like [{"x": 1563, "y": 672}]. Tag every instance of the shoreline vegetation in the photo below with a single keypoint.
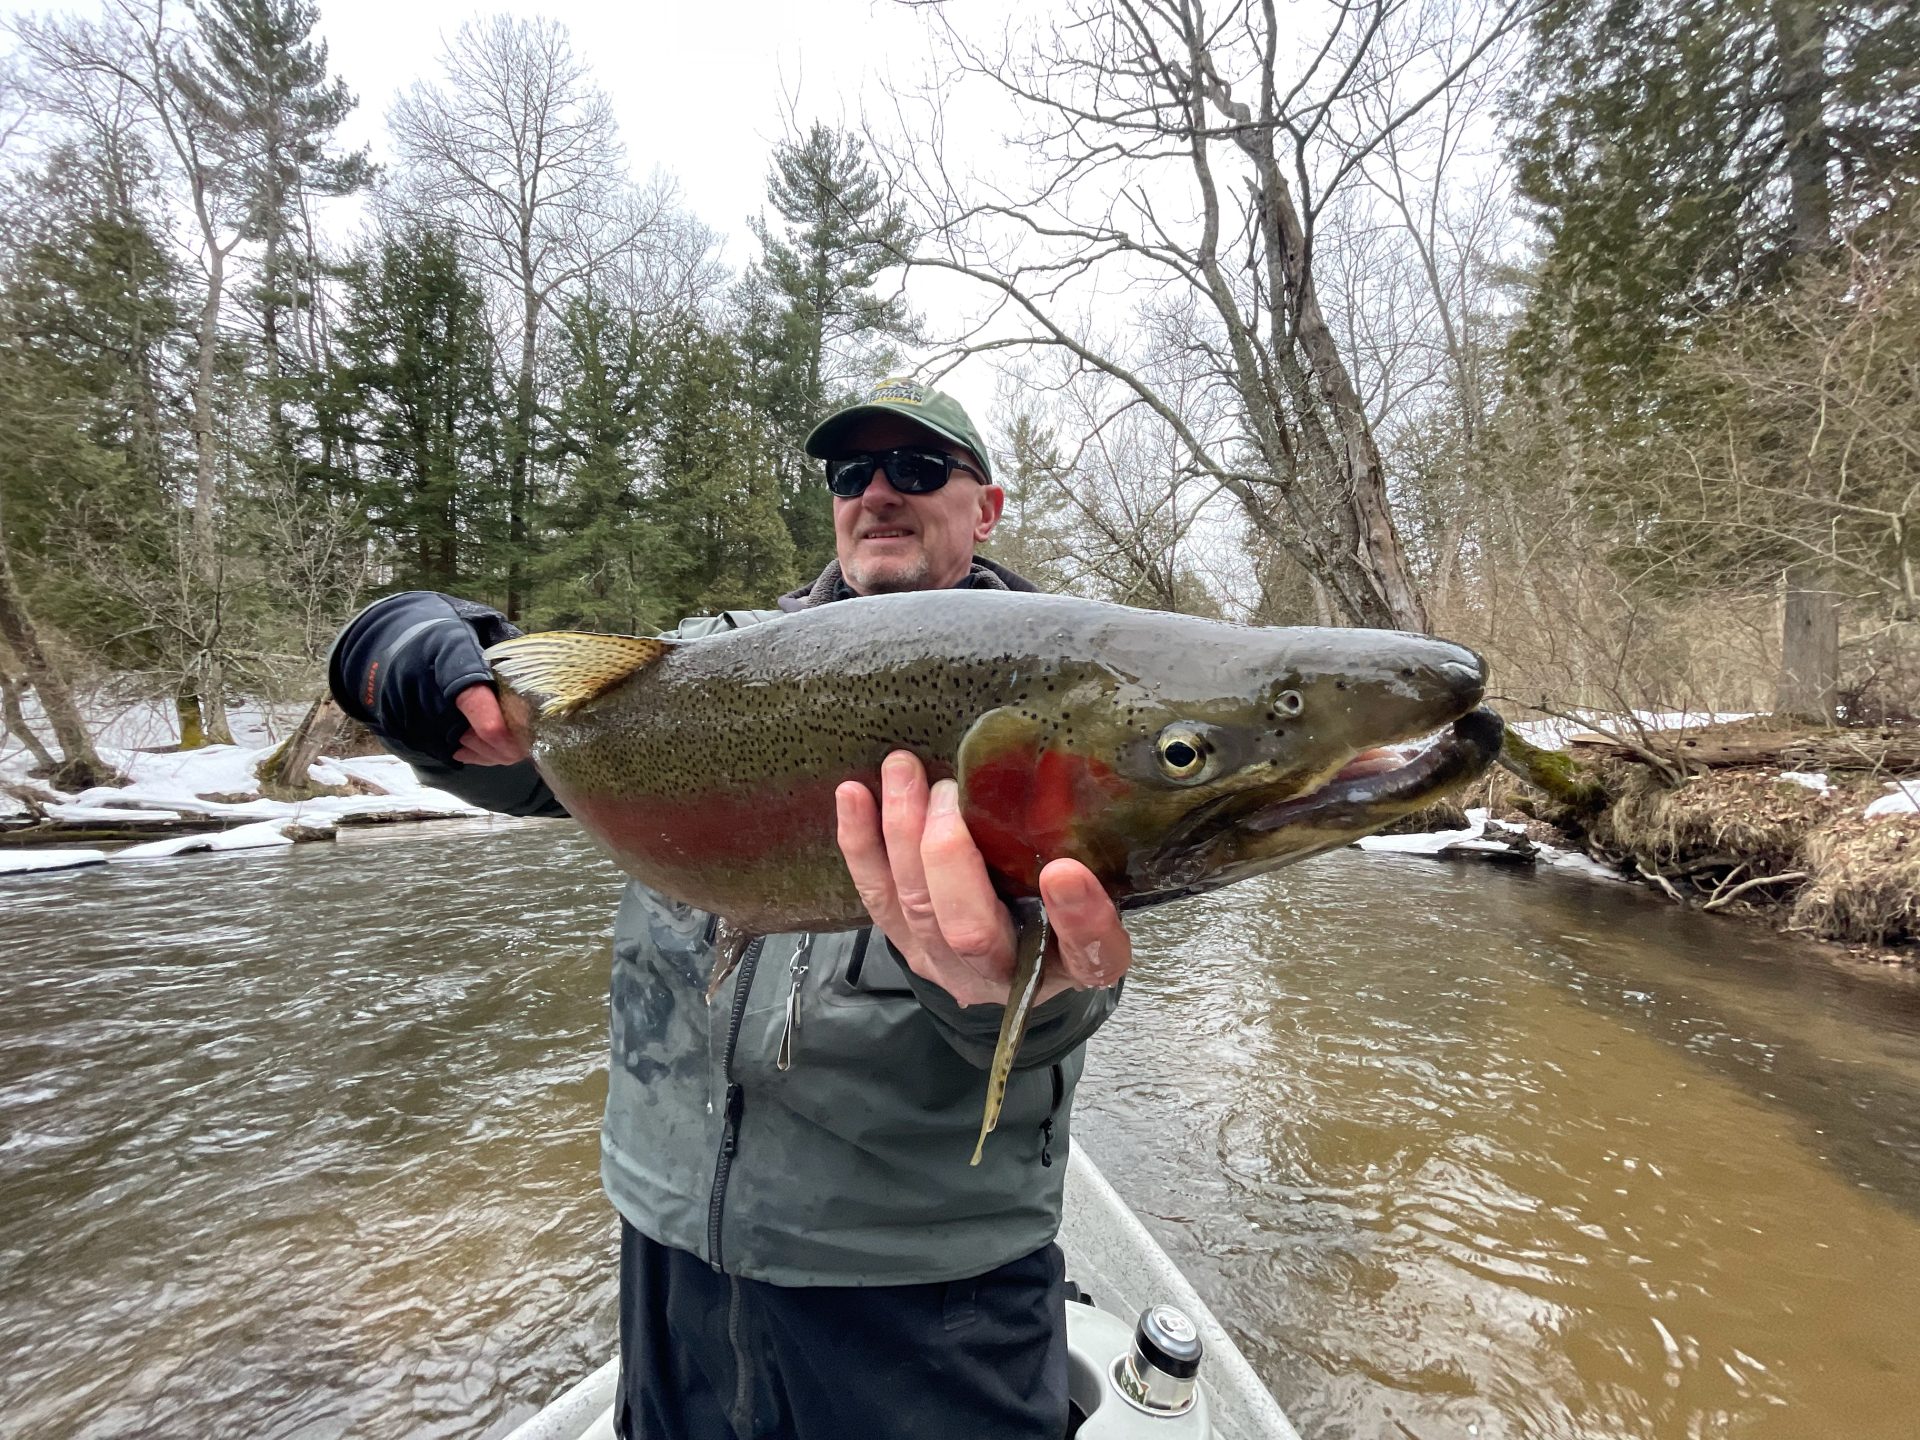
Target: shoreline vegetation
[
  {"x": 1422, "y": 318},
  {"x": 1814, "y": 830}
]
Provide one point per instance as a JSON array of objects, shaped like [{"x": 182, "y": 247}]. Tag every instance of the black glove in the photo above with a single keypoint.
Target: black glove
[{"x": 399, "y": 664}]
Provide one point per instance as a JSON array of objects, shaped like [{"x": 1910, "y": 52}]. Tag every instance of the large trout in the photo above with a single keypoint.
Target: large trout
[{"x": 1169, "y": 754}]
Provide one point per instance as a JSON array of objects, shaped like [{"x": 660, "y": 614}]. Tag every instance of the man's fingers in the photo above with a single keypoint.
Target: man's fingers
[
  {"x": 488, "y": 740},
  {"x": 903, "y": 819},
  {"x": 972, "y": 919},
  {"x": 865, "y": 852},
  {"x": 1094, "y": 947}
]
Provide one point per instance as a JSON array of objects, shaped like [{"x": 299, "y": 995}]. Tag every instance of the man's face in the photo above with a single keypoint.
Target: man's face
[{"x": 888, "y": 541}]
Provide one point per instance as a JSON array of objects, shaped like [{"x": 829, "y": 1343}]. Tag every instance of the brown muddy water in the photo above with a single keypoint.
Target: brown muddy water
[{"x": 302, "y": 1145}]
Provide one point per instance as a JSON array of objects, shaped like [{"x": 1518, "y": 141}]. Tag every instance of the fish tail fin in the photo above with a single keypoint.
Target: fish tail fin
[
  {"x": 1031, "y": 945},
  {"x": 558, "y": 671}
]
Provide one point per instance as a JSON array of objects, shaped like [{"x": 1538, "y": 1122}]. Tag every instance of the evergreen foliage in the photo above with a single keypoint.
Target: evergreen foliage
[
  {"x": 417, "y": 399},
  {"x": 257, "y": 79},
  {"x": 1658, "y": 152},
  {"x": 816, "y": 323}
]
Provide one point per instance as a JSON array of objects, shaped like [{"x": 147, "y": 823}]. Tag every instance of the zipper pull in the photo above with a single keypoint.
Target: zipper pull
[{"x": 790, "y": 1033}]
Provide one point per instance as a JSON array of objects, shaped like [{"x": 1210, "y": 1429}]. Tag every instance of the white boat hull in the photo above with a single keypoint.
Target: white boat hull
[{"x": 1111, "y": 1256}]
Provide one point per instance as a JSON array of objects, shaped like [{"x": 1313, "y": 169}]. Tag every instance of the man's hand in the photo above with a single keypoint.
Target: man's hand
[
  {"x": 923, "y": 882},
  {"x": 488, "y": 741}
]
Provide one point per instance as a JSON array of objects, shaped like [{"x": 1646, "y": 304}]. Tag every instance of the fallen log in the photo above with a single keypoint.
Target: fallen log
[
  {"x": 59, "y": 832},
  {"x": 1892, "y": 750}
]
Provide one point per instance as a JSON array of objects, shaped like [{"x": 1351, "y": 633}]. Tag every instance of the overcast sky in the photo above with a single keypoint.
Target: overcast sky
[{"x": 701, "y": 90}]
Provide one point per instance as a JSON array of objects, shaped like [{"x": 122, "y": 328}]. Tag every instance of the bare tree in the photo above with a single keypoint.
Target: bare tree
[
  {"x": 1177, "y": 152},
  {"x": 135, "y": 55},
  {"x": 517, "y": 153}
]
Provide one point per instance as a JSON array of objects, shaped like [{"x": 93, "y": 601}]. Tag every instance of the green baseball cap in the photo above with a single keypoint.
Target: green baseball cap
[{"x": 925, "y": 406}]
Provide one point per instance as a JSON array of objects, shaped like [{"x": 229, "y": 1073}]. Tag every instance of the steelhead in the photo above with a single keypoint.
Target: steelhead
[{"x": 1170, "y": 754}]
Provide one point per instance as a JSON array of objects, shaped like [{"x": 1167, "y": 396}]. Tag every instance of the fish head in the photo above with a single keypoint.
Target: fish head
[
  {"x": 1359, "y": 728},
  {"x": 1179, "y": 765}
]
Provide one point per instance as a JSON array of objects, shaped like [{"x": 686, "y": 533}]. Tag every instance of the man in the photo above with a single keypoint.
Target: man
[{"x": 805, "y": 1251}]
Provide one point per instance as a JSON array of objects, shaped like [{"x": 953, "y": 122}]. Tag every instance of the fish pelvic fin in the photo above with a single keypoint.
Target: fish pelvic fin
[
  {"x": 729, "y": 948},
  {"x": 1032, "y": 944},
  {"x": 558, "y": 671}
]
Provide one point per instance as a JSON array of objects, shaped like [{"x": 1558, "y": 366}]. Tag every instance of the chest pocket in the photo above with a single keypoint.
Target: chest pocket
[{"x": 872, "y": 969}]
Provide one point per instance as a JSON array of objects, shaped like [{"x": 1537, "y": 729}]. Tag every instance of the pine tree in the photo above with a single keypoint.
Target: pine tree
[
  {"x": 1686, "y": 160},
  {"x": 1679, "y": 155},
  {"x": 258, "y": 78},
  {"x": 602, "y": 565},
  {"x": 726, "y": 544},
  {"x": 422, "y": 406},
  {"x": 826, "y": 329},
  {"x": 1032, "y": 535}
]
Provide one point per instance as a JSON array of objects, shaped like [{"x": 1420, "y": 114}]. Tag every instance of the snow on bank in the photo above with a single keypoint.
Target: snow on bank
[
  {"x": 1903, "y": 799},
  {"x": 21, "y": 862},
  {"x": 1486, "y": 837},
  {"x": 216, "y": 782},
  {"x": 1553, "y": 733}
]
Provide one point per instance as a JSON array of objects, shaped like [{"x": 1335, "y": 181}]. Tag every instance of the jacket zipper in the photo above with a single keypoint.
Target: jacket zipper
[
  {"x": 1046, "y": 1125},
  {"x": 735, "y": 1101}
]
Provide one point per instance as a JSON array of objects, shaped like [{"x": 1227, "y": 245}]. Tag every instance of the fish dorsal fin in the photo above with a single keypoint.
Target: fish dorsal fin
[{"x": 561, "y": 670}]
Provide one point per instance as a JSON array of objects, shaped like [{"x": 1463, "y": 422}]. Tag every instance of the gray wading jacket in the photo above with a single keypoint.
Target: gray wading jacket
[{"x": 810, "y": 1127}]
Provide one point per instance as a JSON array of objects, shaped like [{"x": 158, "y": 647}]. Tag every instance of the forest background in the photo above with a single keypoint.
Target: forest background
[{"x": 1585, "y": 332}]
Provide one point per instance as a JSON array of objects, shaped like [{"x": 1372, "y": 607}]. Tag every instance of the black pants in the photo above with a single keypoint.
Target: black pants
[{"x": 705, "y": 1356}]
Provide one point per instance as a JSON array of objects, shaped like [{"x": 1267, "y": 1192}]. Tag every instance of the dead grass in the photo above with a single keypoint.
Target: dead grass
[
  {"x": 1746, "y": 840},
  {"x": 1720, "y": 819},
  {"x": 1866, "y": 881},
  {"x": 1441, "y": 815}
]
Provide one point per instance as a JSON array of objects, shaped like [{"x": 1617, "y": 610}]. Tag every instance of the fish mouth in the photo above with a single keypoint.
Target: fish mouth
[
  {"x": 1373, "y": 789},
  {"x": 1382, "y": 783}
]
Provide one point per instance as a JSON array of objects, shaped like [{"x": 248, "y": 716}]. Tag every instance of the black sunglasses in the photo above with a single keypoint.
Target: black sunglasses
[{"x": 911, "y": 472}]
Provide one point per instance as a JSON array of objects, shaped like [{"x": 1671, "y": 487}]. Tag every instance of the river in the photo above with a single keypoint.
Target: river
[{"x": 303, "y": 1145}]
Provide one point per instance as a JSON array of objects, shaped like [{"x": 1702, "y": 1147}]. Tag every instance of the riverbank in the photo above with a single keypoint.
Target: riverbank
[
  {"x": 1729, "y": 817},
  {"x": 172, "y": 802}
]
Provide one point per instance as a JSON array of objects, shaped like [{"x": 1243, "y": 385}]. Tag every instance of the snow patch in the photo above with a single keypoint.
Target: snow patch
[
  {"x": 269, "y": 833},
  {"x": 20, "y": 862},
  {"x": 1814, "y": 780},
  {"x": 174, "y": 786},
  {"x": 1904, "y": 799},
  {"x": 1553, "y": 732},
  {"x": 109, "y": 814},
  {"x": 1434, "y": 842}
]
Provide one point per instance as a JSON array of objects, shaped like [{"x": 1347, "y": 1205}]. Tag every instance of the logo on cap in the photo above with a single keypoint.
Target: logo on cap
[{"x": 900, "y": 392}]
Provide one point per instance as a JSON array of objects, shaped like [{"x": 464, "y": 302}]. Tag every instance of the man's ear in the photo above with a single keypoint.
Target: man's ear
[{"x": 993, "y": 500}]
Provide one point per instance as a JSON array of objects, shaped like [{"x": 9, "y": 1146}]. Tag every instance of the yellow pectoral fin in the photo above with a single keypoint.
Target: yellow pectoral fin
[{"x": 561, "y": 670}]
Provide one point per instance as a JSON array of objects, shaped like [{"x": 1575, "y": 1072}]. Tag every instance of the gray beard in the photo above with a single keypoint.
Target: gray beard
[{"x": 895, "y": 582}]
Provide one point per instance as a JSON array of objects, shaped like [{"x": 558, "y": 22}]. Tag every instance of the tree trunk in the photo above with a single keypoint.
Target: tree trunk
[
  {"x": 81, "y": 767},
  {"x": 1810, "y": 621},
  {"x": 1309, "y": 418},
  {"x": 16, "y": 724},
  {"x": 1809, "y": 649},
  {"x": 205, "y": 557},
  {"x": 520, "y": 460},
  {"x": 186, "y": 708},
  {"x": 323, "y": 731},
  {"x": 1800, "y": 37}
]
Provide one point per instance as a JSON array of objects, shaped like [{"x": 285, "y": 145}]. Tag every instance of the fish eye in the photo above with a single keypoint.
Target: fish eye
[
  {"x": 1183, "y": 753},
  {"x": 1289, "y": 702}
]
